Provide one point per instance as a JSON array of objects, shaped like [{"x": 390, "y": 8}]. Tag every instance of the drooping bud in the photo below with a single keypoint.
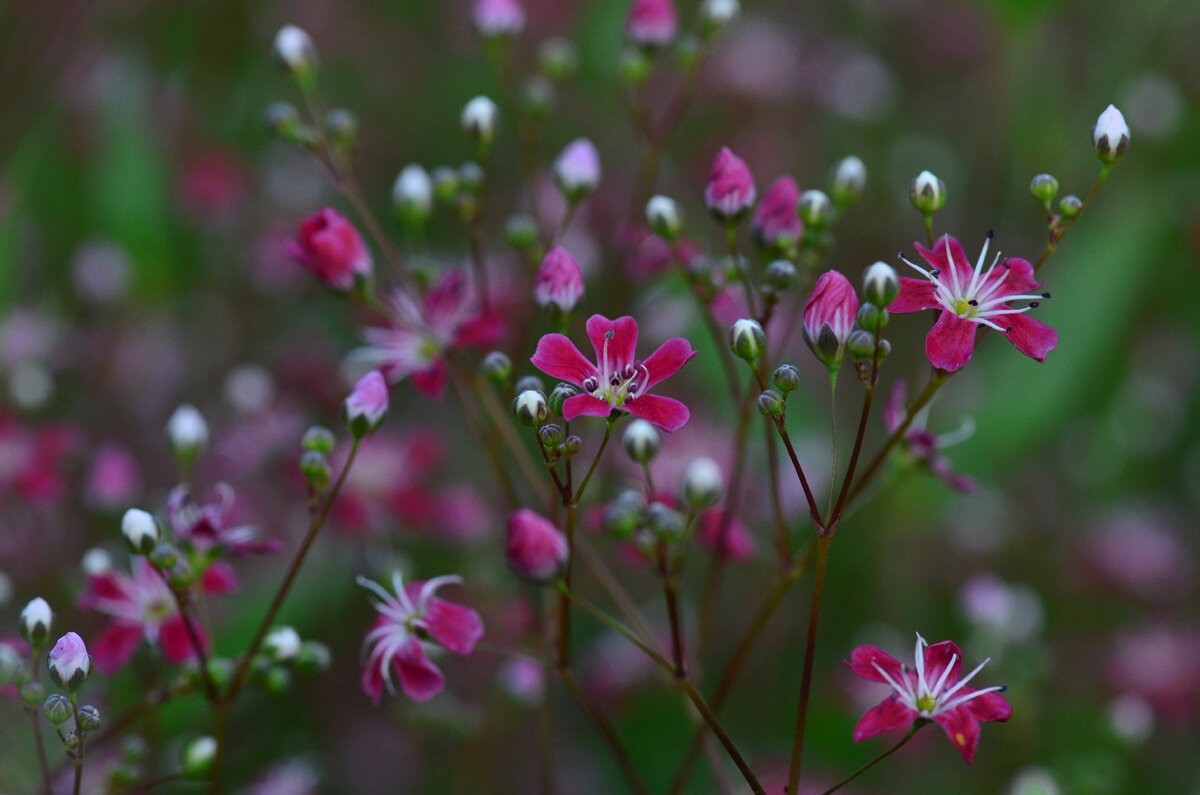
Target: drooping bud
[
  {"x": 530, "y": 407},
  {"x": 747, "y": 339},
  {"x": 187, "y": 432},
  {"x": 1070, "y": 206},
  {"x": 558, "y": 58},
  {"x": 318, "y": 439},
  {"x": 652, "y": 23},
  {"x": 786, "y": 378},
  {"x": 814, "y": 208},
  {"x": 730, "y": 191},
  {"x": 57, "y": 708},
  {"x": 702, "y": 483},
  {"x": 561, "y": 393},
  {"x": 642, "y": 441},
  {"x": 497, "y": 367},
  {"x": 782, "y": 274},
  {"x": 663, "y": 217},
  {"x": 927, "y": 193},
  {"x": 1110, "y": 136},
  {"x": 881, "y": 285},
  {"x": 36, "y": 621},
  {"x": 716, "y": 14},
  {"x": 849, "y": 181},
  {"x": 479, "y": 118},
  {"x": 330, "y": 248},
  {"x": 499, "y": 18},
  {"x": 776, "y": 224},
  {"x": 197, "y": 757},
  {"x": 536, "y": 550},
  {"x": 89, "y": 718},
  {"x": 829, "y": 318},
  {"x": 771, "y": 404},
  {"x": 367, "y": 404},
  {"x": 140, "y": 531},
  {"x": 577, "y": 169},
  {"x": 1044, "y": 187},
  {"x": 282, "y": 644},
  {"x": 412, "y": 194},
  {"x": 69, "y": 663},
  {"x": 559, "y": 281},
  {"x": 294, "y": 51}
]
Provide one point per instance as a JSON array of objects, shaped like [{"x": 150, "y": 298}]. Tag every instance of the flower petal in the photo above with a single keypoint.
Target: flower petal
[
  {"x": 937, "y": 657},
  {"x": 864, "y": 659},
  {"x": 584, "y": 406},
  {"x": 115, "y": 647},
  {"x": 667, "y": 413},
  {"x": 557, "y": 357},
  {"x": 666, "y": 361},
  {"x": 951, "y": 342},
  {"x": 1031, "y": 337},
  {"x": 431, "y": 382},
  {"x": 1020, "y": 279},
  {"x": 888, "y": 715},
  {"x": 939, "y": 261},
  {"x": 219, "y": 580},
  {"x": 963, "y": 730},
  {"x": 419, "y": 678},
  {"x": 480, "y": 330},
  {"x": 915, "y": 295},
  {"x": 372, "y": 682},
  {"x": 893, "y": 411},
  {"x": 988, "y": 707},
  {"x": 454, "y": 626},
  {"x": 175, "y": 642},
  {"x": 622, "y": 348}
]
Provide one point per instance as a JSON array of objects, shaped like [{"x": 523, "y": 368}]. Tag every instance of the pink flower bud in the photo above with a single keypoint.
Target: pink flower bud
[
  {"x": 652, "y": 23},
  {"x": 730, "y": 191},
  {"x": 559, "y": 281},
  {"x": 499, "y": 17},
  {"x": 829, "y": 318},
  {"x": 775, "y": 220},
  {"x": 367, "y": 404},
  {"x": 70, "y": 663},
  {"x": 329, "y": 246},
  {"x": 536, "y": 550},
  {"x": 577, "y": 169}
]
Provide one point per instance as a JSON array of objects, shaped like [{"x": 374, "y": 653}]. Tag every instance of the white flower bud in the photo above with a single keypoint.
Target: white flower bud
[
  {"x": 412, "y": 193},
  {"x": 577, "y": 169},
  {"x": 1110, "y": 136},
  {"x": 849, "y": 180},
  {"x": 282, "y": 643},
  {"x": 927, "y": 193},
  {"x": 69, "y": 662},
  {"x": 140, "y": 531},
  {"x": 197, "y": 757},
  {"x": 702, "y": 483},
  {"x": 36, "y": 620},
  {"x": 664, "y": 217},
  {"x": 187, "y": 430},
  {"x": 814, "y": 208},
  {"x": 642, "y": 441},
  {"x": 295, "y": 51},
  {"x": 716, "y": 14},
  {"x": 530, "y": 407},
  {"x": 747, "y": 339},
  {"x": 479, "y": 119},
  {"x": 881, "y": 285},
  {"x": 95, "y": 562}
]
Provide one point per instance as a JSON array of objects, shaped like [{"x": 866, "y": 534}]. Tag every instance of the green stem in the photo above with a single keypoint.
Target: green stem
[
  {"x": 810, "y": 647},
  {"x": 41, "y": 750},
  {"x": 606, "y": 731},
  {"x": 834, "y": 436},
  {"x": 916, "y": 727},
  {"x": 735, "y": 261},
  {"x": 1057, "y": 236},
  {"x": 81, "y": 737},
  {"x": 608, "y": 429}
]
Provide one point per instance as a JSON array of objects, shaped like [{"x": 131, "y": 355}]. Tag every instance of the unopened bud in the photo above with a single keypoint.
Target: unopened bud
[
  {"x": 470, "y": 177},
  {"x": 577, "y": 169},
  {"x": 782, "y": 274},
  {"x": 164, "y": 556},
  {"x": 1070, "y": 206},
  {"x": 664, "y": 521},
  {"x": 561, "y": 393},
  {"x": 550, "y": 435},
  {"x": 188, "y": 432},
  {"x": 537, "y": 95},
  {"x": 635, "y": 66},
  {"x": 318, "y": 439},
  {"x": 295, "y": 52},
  {"x": 341, "y": 125},
  {"x": 69, "y": 662},
  {"x": 521, "y": 232},
  {"x": 412, "y": 194},
  {"x": 786, "y": 378},
  {"x": 927, "y": 193},
  {"x": 1110, "y": 136},
  {"x": 1044, "y": 187},
  {"x": 32, "y": 692},
  {"x": 702, "y": 483},
  {"x": 663, "y": 217},
  {"x": 530, "y": 407},
  {"x": 814, "y": 208},
  {"x": 133, "y": 748},
  {"x": 527, "y": 382},
  {"x": 57, "y": 708},
  {"x": 881, "y": 285},
  {"x": 89, "y": 718},
  {"x": 536, "y": 550},
  {"x": 716, "y": 14},
  {"x": 140, "y": 531},
  {"x": 367, "y": 404},
  {"x": 197, "y": 758},
  {"x": 747, "y": 339},
  {"x": 36, "y": 621},
  {"x": 445, "y": 183},
  {"x": 315, "y": 468},
  {"x": 283, "y": 120},
  {"x": 861, "y": 343},
  {"x": 572, "y": 445},
  {"x": 871, "y": 317},
  {"x": 314, "y": 658},
  {"x": 624, "y": 514},
  {"x": 642, "y": 441},
  {"x": 558, "y": 58},
  {"x": 479, "y": 120},
  {"x": 849, "y": 181},
  {"x": 770, "y": 404},
  {"x": 282, "y": 644},
  {"x": 497, "y": 367}
]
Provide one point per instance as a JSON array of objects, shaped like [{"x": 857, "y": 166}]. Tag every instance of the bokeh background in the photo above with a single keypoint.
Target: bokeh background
[{"x": 143, "y": 216}]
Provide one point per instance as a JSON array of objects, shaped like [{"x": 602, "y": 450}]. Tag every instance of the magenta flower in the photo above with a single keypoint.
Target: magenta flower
[
  {"x": 367, "y": 403},
  {"x": 970, "y": 297},
  {"x": 775, "y": 221},
  {"x": 536, "y": 549},
  {"x": 330, "y": 247},
  {"x": 412, "y": 615},
  {"x": 932, "y": 692},
  {"x": 140, "y": 606},
  {"x": 926, "y": 447},
  {"x": 577, "y": 169},
  {"x": 206, "y": 526},
  {"x": 652, "y": 23},
  {"x": 737, "y": 545},
  {"x": 829, "y": 318},
  {"x": 499, "y": 17},
  {"x": 618, "y": 381},
  {"x": 730, "y": 190},
  {"x": 420, "y": 335},
  {"x": 70, "y": 664},
  {"x": 559, "y": 281}
]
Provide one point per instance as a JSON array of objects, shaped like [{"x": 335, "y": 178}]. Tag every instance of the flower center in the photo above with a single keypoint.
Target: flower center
[
  {"x": 962, "y": 307},
  {"x": 926, "y": 704}
]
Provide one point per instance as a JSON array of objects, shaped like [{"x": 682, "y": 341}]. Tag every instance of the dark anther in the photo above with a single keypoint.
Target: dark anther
[
  {"x": 972, "y": 302},
  {"x": 608, "y": 335},
  {"x": 616, "y": 379},
  {"x": 1033, "y": 304},
  {"x": 1045, "y": 295},
  {"x": 990, "y": 234}
]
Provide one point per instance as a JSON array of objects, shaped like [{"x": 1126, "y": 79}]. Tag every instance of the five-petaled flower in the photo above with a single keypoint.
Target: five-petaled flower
[
  {"x": 971, "y": 297},
  {"x": 406, "y": 618},
  {"x": 205, "y": 526},
  {"x": 932, "y": 691},
  {"x": 618, "y": 381},
  {"x": 924, "y": 446}
]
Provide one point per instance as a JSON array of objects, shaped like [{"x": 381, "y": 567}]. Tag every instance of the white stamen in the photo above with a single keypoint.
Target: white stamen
[{"x": 962, "y": 682}]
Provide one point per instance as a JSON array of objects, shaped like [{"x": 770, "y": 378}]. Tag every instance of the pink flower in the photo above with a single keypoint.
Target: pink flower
[
  {"x": 70, "y": 663},
  {"x": 970, "y": 297},
  {"x": 924, "y": 446},
  {"x": 536, "y": 549},
  {"x": 932, "y": 692},
  {"x": 829, "y": 318},
  {"x": 577, "y": 169},
  {"x": 559, "y": 281},
  {"x": 730, "y": 190},
  {"x": 411, "y": 615},
  {"x": 652, "y": 23},
  {"x": 416, "y": 343},
  {"x": 113, "y": 478},
  {"x": 775, "y": 220},
  {"x": 618, "y": 381},
  {"x": 736, "y": 546},
  {"x": 141, "y": 606},
  {"x": 204, "y": 527},
  {"x": 499, "y": 17},
  {"x": 367, "y": 404},
  {"x": 329, "y": 246}
]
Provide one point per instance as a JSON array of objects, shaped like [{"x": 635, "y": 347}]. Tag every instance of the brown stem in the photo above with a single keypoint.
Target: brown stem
[
  {"x": 810, "y": 647},
  {"x": 606, "y": 731},
  {"x": 210, "y": 687},
  {"x": 916, "y": 727},
  {"x": 781, "y": 428}
]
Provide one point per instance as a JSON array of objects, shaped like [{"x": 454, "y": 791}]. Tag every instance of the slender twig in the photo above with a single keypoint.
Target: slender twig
[
  {"x": 41, "y": 749},
  {"x": 814, "y": 512},
  {"x": 606, "y": 731},
  {"x": 782, "y": 545},
  {"x": 810, "y": 645},
  {"x": 1056, "y": 235},
  {"x": 210, "y": 687},
  {"x": 834, "y": 445},
  {"x": 916, "y": 727},
  {"x": 608, "y": 429}
]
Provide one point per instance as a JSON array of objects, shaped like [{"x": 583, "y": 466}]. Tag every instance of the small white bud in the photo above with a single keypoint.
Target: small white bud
[
  {"x": 140, "y": 531},
  {"x": 702, "y": 483},
  {"x": 1110, "y": 136},
  {"x": 197, "y": 757},
  {"x": 531, "y": 407},
  {"x": 927, "y": 193},
  {"x": 881, "y": 285},
  {"x": 849, "y": 180},
  {"x": 295, "y": 51},
  {"x": 747, "y": 339},
  {"x": 36, "y": 620},
  {"x": 187, "y": 430},
  {"x": 412, "y": 193},
  {"x": 96, "y": 561},
  {"x": 642, "y": 441},
  {"x": 716, "y": 14},
  {"x": 282, "y": 643},
  {"x": 577, "y": 169},
  {"x": 479, "y": 119},
  {"x": 664, "y": 217},
  {"x": 814, "y": 208}
]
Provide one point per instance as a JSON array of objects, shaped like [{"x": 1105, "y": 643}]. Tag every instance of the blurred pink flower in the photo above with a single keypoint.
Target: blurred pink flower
[
  {"x": 499, "y": 17},
  {"x": 829, "y": 317},
  {"x": 559, "y": 281},
  {"x": 1137, "y": 552},
  {"x": 1159, "y": 663},
  {"x": 205, "y": 526},
  {"x": 330, "y": 247},
  {"x": 113, "y": 480},
  {"x": 536, "y": 549},
  {"x": 730, "y": 191},
  {"x": 652, "y": 23},
  {"x": 925, "y": 447},
  {"x": 775, "y": 220},
  {"x": 737, "y": 545}
]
